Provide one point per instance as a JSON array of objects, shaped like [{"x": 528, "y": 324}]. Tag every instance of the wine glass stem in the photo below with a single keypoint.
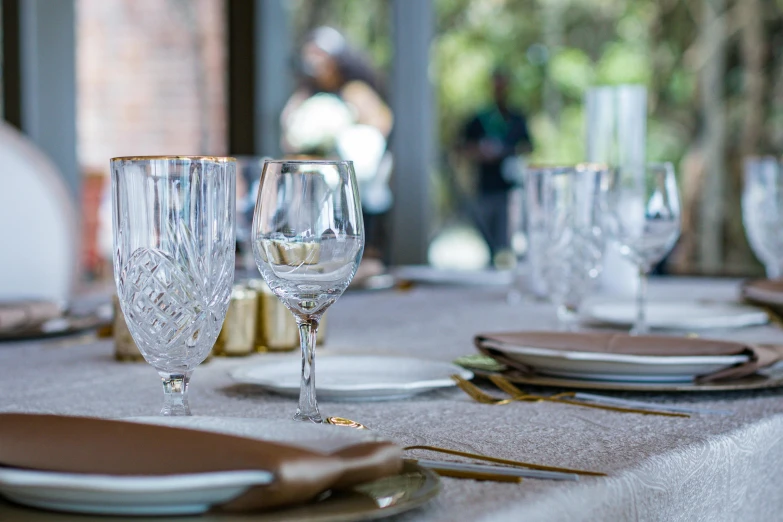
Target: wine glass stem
[
  {"x": 567, "y": 318},
  {"x": 774, "y": 270},
  {"x": 308, "y": 407},
  {"x": 175, "y": 394},
  {"x": 640, "y": 325}
]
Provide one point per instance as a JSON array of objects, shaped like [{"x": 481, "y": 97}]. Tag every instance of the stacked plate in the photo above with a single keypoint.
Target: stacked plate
[
  {"x": 678, "y": 315},
  {"x": 616, "y": 367}
]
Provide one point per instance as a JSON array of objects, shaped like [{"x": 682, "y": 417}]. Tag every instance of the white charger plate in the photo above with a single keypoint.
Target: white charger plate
[
  {"x": 354, "y": 377},
  {"x": 683, "y": 315},
  {"x": 616, "y": 367},
  {"x": 168, "y": 495}
]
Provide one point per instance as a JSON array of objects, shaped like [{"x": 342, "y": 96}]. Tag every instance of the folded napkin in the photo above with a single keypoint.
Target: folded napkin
[
  {"x": 763, "y": 291},
  {"x": 98, "y": 446},
  {"x": 21, "y": 314},
  {"x": 623, "y": 343}
]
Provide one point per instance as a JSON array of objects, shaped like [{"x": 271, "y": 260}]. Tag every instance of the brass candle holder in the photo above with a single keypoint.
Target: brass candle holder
[
  {"x": 238, "y": 335},
  {"x": 276, "y": 328},
  {"x": 125, "y": 348}
]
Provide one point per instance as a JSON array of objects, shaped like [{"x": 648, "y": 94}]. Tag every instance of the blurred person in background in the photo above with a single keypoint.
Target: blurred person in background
[
  {"x": 493, "y": 140},
  {"x": 338, "y": 111}
]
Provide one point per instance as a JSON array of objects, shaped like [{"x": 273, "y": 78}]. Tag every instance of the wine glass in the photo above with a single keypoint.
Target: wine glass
[
  {"x": 308, "y": 240},
  {"x": 174, "y": 240},
  {"x": 762, "y": 212},
  {"x": 571, "y": 241},
  {"x": 643, "y": 217}
]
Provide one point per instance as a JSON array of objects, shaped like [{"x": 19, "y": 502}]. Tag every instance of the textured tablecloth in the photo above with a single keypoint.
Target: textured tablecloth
[{"x": 660, "y": 468}]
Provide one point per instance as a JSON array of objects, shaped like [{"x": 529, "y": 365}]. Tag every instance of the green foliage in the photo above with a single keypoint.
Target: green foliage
[{"x": 557, "y": 49}]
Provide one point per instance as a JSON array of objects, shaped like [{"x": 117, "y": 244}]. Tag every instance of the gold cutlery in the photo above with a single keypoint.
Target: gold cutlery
[
  {"x": 506, "y": 462},
  {"x": 565, "y": 398},
  {"x": 478, "y": 471}
]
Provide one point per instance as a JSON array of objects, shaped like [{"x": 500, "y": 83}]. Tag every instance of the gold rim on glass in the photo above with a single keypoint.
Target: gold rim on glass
[
  {"x": 217, "y": 159},
  {"x": 574, "y": 166},
  {"x": 309, "y": 162}
]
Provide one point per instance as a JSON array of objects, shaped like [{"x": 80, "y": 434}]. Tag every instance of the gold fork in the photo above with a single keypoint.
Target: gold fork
[
  {"x": 507, "y": 462},
  {"x": 518, "y": 395},
  {"x": 477, "y": 394}
]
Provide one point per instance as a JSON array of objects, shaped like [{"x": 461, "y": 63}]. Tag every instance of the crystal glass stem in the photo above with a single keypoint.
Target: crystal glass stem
[
  {"x": 308, "y": 407},
  {"x": 567, "y": 318},
  {"x": 175, "y": 394},
  {"x": 640, "y": 326}
]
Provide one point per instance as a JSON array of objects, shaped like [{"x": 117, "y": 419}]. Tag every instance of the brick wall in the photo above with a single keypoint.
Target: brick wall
[{"x": 151, "y": 80}]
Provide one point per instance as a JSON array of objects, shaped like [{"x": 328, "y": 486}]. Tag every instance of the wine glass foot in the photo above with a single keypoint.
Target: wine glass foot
[
  {"x": 315, "y": 418},
  {"x": 181, "y": 409},
  {"x": 639, "y": 331}
]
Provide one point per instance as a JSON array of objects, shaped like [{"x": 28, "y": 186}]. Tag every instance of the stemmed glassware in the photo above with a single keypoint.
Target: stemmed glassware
[
  {"x": 174, "y": 241},
  {"x": 565, "y": 213},
  {"x": 643, "y": 217},
  {"x": 762, "y": 212},
  {"x": 308, "y": 240}
]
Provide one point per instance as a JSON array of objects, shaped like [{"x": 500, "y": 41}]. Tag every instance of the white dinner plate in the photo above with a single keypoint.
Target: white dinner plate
[
  {"x": 684, "y": 315},
  {"x": 168, "y": 495},
  {"x": 354, "y": 377},
  {"x": 616, "y": 367},
  {"x": 426, "y": 274}
]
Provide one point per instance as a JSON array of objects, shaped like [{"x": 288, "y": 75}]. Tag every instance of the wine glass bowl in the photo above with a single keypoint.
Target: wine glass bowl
[
  {"x": 643, "y": 217},
  {"x": 174, "y": 241},
  {"x": 762, "y": 212},
  {"x": 308, "y": 240}
]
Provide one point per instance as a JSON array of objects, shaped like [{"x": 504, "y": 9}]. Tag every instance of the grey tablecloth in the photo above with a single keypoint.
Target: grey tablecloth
[{"x": 703, "y": 468}]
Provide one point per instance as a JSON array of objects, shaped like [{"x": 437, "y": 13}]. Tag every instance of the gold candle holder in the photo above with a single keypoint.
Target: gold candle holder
[
  {"x": 238, "y": 335},
  {"x": 125, "y": 348},
  {"x": 276, "y": 328}
]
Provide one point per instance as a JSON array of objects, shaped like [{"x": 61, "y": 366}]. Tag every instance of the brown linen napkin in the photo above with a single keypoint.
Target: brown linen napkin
[
  {"x": 89, "y": 445},
  {"x": 622, "y": 343},
  {"x": 21, "y": 314},
  {"x": 766, "y": 292}
]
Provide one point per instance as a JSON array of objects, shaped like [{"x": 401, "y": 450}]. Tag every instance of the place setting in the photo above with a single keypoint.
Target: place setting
[
  {"x": 668, "y": 346},
  {"x": 179, "y": 305},
  {"x": 174, "y": 283}
]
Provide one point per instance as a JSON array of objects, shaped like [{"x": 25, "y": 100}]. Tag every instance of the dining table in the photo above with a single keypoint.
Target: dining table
[{"x": 702, "y": 467}]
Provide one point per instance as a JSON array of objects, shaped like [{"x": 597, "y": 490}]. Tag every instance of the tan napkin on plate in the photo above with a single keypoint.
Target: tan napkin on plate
[
  {"x": 89, "y": 445},
  {"x": 21, "y": 314},
  {"x": 622, "y": 343}
]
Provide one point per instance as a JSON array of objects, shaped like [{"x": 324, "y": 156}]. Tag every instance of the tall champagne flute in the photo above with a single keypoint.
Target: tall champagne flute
[
  {"x": 762, "y": 211},
  {"x": 174, "y": 240},
  {"x": 308, "y": 240},
  {"x": 643, "y": 217}
]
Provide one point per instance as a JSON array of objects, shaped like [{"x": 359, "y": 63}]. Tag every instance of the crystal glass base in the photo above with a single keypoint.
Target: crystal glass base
[
  {"x": 315, "y": 418},
  {"x": 175, "y": 395}
]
